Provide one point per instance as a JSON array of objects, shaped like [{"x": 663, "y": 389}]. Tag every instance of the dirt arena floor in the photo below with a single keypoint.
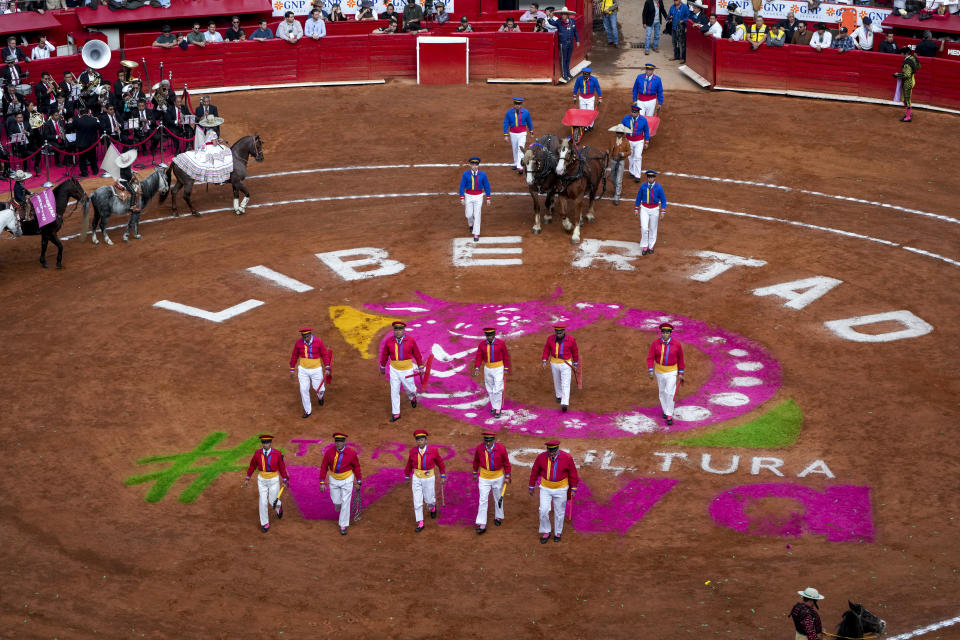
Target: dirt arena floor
[{"x": 97, "y": 378}]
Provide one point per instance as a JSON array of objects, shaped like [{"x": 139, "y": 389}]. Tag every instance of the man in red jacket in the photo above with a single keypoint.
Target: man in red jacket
[
  {"x": 492, "y": 353},
  {"x": 422, "y": 463},
  {"x": 343, "y": 465},
  {"x": 269, "y": 462},
  {"x": 562, "y": 352},
  {"x": 558, "y": 478},
  {"x": 311, "y": 362},
  {"x": 665, "y": 360},
  {"x": 401, "y": 351},
  {"x": 491, "y": 461}
]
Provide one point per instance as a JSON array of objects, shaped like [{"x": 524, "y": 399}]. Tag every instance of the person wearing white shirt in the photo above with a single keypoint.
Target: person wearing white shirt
[
  {"x": 289, "y": 30},
  {"x": 740, "y": 31},
  {"x": 43, "y": 50},
  {"x": 211, "y": 35},
  {"x": 714, "y": 29},
  {"x": 821, "y": 39},
  {"x": 314, "y": 26},
  {"x": 863, "y": 35},
  {"x": 546, "y": 23},
  {"x": 533, "y": 13}
]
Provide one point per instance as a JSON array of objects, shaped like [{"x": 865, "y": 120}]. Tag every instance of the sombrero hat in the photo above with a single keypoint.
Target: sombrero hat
[
  {"x": 211, "y": 121},
  {"x": 619, "y": 129},
  {"x": 20, "y": 174},
  {"x": 565, "y": 10},
  {"x": 126, "y": 158}
]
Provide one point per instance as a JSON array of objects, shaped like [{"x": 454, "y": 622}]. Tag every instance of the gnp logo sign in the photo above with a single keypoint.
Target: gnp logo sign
[{"x": 299, "y": 7}]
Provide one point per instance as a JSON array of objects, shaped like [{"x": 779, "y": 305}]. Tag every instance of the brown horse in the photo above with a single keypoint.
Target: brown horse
[
  {"x": 539, "y": 162},
  {"x": 242, "y": 150},
  {"x": 582, "y": 173}
]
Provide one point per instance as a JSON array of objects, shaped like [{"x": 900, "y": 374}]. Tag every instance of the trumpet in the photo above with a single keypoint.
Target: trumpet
[{"x": 36, "y": 120}]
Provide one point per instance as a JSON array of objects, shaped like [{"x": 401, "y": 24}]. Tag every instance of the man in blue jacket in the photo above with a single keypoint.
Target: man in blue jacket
[
  {"x": 473, "y": 185},
  {"x": 568, "y": 38}
]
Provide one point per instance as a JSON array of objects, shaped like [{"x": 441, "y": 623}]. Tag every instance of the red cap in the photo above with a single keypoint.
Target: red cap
[
  {"x": 666, "y": 325},
  {"x": 420, "y": 433},
  {"x": 489, "y": 434},
  {"x": 266, "y": 436},
  {"x": 489, "y": 330},
  {"x": 306, "y": 329},
  {"x": 559, "y": 327},
  {"x": 399, "y": 324},
  {"x": 553, "y": 444},
  {"x": 339, "y": 436}
]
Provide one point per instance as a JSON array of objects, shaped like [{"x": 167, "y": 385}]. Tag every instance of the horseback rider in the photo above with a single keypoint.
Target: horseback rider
[
  {"x": 207, "y": 135},
  {"x": 21, "y": 195},
  {"x": 127, "y": 187}
]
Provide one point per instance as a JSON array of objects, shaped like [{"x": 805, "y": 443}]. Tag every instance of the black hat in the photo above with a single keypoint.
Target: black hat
[
  {"x": 820, "y": 25},
  {"x": 166, "y": 28}
]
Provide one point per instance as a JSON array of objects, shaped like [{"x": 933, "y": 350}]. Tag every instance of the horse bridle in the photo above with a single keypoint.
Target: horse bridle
[{"x": 541, "y": 169}]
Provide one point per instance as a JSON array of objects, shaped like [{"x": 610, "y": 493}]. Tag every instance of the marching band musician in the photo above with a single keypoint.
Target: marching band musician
[
  {"x": 174, "y": 117},
  {"x": 12, "y": 74},
  {"x": 69, "y": 85},
  {"x": 54, "y": 133},
  {"x": 110, "y": 123},
  {"x": 88, "y": 129},
  {"x": 46, "y": 93},
  {"x": 12, "y": 102},
  {"x": 16, "y": 126},
  {"x": 145, "y": 124},
  {"x": 35, "y": 121},
  {"x": 90, "y": 80}
]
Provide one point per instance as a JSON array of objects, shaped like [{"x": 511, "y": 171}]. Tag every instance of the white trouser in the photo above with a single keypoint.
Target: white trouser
[
  {"x": 636, "y": 158},
  {"x": 667, "y": 383},
  {"x": 268, "y": 488},
  {"x": 309, "y": 378},
  {"x": 558, "y": 498},
  {"x": 493, "y": 380},
  {"x": 587, "y": 103},
  {"x": 471, "y": 208},
  {"x": 517, "y": 142},
  {"x": 648, "y": 107},
  {"x": 649, "y": 219},
  {"x": 423, "y": 491},
  {"x": 486, "y": 487},
  {"x": 341, "y": 493},
  {"x": 399, "y": 378},
  {"x": 561, "y": 381}
]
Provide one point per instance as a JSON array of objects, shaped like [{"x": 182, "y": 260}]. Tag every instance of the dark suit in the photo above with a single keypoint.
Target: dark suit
[
  {"x": 8, "y": 77},
  {"x": 182, "y": 130},
  {"x": 115, "y": 129},
  {"x": 16, "y": 51},
  {"x": 88, "y": 130},
  {"x": 202, "y": 112},
  {"x": 148, "y": 122},
  {"x": 21, "y": 149},
  {"x": 44, "y": 97},
  {"x": 58, "y": 140}
]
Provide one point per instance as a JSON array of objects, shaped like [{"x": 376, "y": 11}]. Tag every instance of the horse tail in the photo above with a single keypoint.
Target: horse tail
[{"x": 169, "y": 172}]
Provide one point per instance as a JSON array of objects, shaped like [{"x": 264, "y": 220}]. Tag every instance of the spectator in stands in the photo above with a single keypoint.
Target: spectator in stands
[
  {"x": 714, "y": 30},
  {"x": 863, "y": 35},
  {"x": 928, "y": 46},
  {"x": 442, "y": 15},
  {"x": 314, "y": 26},
  {"x": 843, "y": 41},
  {"x": 234, "y": 33},
  {"x": 166, "y": 39},
  {"x": 697, "y": 14},
  {"x": 412, "y": 15},
  {"x": 464, "y": 26},
  {"x": 609, "y": 11},
  {"x": 366, "y": 12},
  {"x": 802, "y": 35},
  {"x": 389, "y": 12},
  {"x": 889, "y": 45},
  {"x": 777, "y": 36},
  {"x": 652, "y": 9},
  {"x": 822, "y": 39},
  {"x": 11, "y": 74},
  {"x": 533, "y": 13},
  {"x": 757, "y": 34},
  {"x": 509, "y": 26},
  {"x": 790, "y": 25},
  {"x": 43, "y": 50},
  {"x": 53, "y": 5},
  {"x": 13, "y": 50},
  {"x": 390, "y": 28},
  {"x": 336, "y": 13},
  {"x": 211, "y": 35},
  {"x": 546, "y": 23},
  {"x": 289, "y": 30},
  {"x": 541, "y": 26},
  {"x": 196, "y": 36},
  {"x": 318, "y": 4},
  {"x": 738, "y": 32},
  {"x": 261, "y": 33}
]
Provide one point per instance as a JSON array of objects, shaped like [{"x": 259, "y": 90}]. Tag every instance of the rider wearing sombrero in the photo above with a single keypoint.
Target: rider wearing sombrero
[
  {"x": 127, "y": 187},
  {"x": 806, "y": 620},
  {"x": 21, "y": 196}
]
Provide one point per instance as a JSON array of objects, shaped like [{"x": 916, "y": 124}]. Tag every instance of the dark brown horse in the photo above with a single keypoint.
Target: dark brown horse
[
  {"x": 539, "y": 162},
  {"x": 242, "y": 150},
  {"x": 582, "y": 173},
  {"x": 62, "y": 193},
  {"x": 857, "y": 621}
]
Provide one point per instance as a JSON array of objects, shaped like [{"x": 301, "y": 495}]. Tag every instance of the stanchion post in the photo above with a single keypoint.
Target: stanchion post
[{"x": 46, "y": 147}]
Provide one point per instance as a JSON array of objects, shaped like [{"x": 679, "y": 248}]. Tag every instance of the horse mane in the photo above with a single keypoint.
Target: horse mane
[
  {"x": 150, "y": 186},
  {"x": 850, "y": 625}
]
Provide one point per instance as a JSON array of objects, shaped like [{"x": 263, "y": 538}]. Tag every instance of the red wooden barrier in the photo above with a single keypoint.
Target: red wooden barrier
[{"x": 700, "y": 54}]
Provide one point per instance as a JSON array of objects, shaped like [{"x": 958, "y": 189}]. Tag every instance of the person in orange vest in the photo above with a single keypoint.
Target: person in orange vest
[
  {"x": 492, "y": 463},
  {"x": 272, "y": 469},
  {"x": 665, "y": 360},
  {"x": 557, "y": 474},
  {"x": 343, "y": 466}
]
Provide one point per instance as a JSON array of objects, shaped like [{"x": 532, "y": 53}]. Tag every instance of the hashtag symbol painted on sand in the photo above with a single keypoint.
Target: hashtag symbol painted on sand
[{"x": 224, "y": 461}]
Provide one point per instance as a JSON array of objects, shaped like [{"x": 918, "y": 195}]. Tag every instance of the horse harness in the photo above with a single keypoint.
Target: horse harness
[
  {"x": 565, "y": 180},
  {"x": 543, "y": 171}
]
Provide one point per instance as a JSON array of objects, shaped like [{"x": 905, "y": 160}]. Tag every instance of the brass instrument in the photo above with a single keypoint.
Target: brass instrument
[
  {"x": 96, "y": 55},
  {"x": 36, "y": 120}
]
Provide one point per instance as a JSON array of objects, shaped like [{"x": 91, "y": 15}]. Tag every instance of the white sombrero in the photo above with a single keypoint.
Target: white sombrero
[
  {"x": 565, "y": 10},
  {"x": 20, "y": 174},
  {"x": 619, "y": 129},
  {"x": 126, "y": 158},
  {"x": 810, "y": 593},
  {"x": 211, "y": 121}
]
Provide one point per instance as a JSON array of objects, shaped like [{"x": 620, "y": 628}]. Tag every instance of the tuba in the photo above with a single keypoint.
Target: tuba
[
  {"x": 96, "y": 55},
  {"x": 36, "y": 120}
]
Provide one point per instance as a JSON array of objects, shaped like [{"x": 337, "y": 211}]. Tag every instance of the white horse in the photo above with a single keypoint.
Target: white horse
[{"x": 10, "y": 222}]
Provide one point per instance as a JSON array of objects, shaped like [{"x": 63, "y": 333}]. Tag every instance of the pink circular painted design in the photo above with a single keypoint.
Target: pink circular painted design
[{"x": 743, "y": 374}]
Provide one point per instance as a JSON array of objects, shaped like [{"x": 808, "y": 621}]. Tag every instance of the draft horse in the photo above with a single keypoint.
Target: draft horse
[
  {"x": 540, "y": 161},
  {"x": 242, "y": 150},
  {"x": 62, "y": 194},
  {"x": 582, "y": 173}
]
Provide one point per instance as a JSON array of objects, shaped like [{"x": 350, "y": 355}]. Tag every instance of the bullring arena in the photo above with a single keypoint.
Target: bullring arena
[{"x": 809, "y": 268}]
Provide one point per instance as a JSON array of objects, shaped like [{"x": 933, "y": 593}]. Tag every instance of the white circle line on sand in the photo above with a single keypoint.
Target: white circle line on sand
[
  {"x": 425, "y": 194},
  {"x": 692, "y": 176}
]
